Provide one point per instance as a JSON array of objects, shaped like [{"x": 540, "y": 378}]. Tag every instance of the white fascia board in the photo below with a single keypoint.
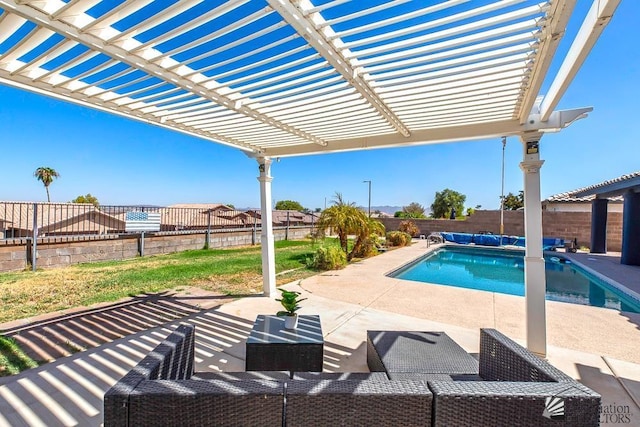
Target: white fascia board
[{"x": 597, "y": 18}]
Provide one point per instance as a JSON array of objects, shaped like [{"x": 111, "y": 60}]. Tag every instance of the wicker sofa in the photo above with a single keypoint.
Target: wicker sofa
[
  {"x": 512, "y": 387},
  {"x": 163, "y": 390}
]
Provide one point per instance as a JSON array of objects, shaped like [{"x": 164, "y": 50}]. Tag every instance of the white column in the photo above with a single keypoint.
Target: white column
[
  {"x": 267, "y": 240},
  {"x": 534, "y": 275}
]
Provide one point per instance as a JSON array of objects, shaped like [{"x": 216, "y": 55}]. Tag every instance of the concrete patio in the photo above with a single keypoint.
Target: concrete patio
[{"x": 596, "y": 346}]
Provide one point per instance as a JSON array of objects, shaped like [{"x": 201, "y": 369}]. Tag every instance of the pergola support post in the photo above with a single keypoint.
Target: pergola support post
[
  {"x": 266, "y": 236},
  {"x": 599, "y": 226},
  {"x": 534, "y": 271}
]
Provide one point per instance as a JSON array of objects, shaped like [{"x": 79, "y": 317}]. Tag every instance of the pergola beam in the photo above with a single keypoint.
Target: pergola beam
[
  {"x": 484, "y": 130},
  {"x": 596, "y": 20},
  {"x": 322, "y": 38},
  {"x": 553, "y": 30}
]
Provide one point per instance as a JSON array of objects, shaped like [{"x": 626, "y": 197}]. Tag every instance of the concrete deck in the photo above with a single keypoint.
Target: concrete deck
[{"x": 599, "y": 347}]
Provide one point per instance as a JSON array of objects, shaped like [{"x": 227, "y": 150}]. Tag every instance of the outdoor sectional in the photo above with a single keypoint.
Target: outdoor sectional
[{"x": 511, "y": 388}]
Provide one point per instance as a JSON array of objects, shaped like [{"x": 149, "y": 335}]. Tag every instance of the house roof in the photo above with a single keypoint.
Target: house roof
[
  {"x": 610, "y": 189},
  {"x": 279, "y": 78}
]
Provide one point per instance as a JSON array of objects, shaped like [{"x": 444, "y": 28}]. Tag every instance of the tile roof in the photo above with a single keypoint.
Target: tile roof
[{"x": 569, "y": 196}]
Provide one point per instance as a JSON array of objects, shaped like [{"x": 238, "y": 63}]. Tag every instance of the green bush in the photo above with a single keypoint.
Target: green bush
[
  {"x": 328, "y": 258},
  {"x": 409, "y": 227},
  {"x": 398, "y": 238},
  {"x": 369, "y": 247}
]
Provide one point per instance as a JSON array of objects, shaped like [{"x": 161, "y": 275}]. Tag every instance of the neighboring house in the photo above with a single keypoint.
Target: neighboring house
[
  {"x": 567, "y": 202},
  {"x": 56, "y": 219}
]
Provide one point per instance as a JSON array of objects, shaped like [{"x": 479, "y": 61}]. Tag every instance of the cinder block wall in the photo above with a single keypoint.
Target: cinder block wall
[
  {"x": 55, "y": 252},
  {"x": 566, "y": 225}
]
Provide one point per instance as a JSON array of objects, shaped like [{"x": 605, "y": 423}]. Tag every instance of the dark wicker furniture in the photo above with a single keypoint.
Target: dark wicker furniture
[
  {"x": 512, "y": 388},
  {"x": 270, "y": 347},
  {"x": 402, "y": 353}
]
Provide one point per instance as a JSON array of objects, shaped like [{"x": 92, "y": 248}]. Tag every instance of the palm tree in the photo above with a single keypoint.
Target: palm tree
[
  {"x": 345, "y": 219},
  {"x": 46, "y": 175}
]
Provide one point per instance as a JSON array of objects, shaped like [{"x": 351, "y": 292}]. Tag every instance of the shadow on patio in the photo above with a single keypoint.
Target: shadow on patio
[{"x": 70, "y": 390}]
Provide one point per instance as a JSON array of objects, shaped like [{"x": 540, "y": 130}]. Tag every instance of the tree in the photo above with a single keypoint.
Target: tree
[
  {"x": 445, "y": 201},
  {"x": 89, "y": 199},
  {"x": 413, "y": 210},
  {"x": 289, "y": 205},
  {"x": 46, "y": 175},
  {"x": 513, "y": 202},
  {"x": 345, "y": 219}
]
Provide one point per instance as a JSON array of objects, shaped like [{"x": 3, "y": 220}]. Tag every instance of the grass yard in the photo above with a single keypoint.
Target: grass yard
[{"x": 234, "y": 272}]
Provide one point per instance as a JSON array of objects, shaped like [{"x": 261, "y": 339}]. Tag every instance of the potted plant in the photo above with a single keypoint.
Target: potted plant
[{"x": 290, "y": 302}]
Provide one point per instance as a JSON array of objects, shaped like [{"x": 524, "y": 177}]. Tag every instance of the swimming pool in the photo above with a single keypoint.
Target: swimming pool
[{"x": 502, "y": 271}]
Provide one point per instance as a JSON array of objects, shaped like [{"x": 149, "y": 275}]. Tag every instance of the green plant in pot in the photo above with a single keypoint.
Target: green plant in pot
[{"x": 290, "y": 301}]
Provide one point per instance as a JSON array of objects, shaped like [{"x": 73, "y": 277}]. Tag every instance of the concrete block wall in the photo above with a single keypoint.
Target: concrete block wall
[
  {"x": 566, "y": 225},
  {"x": 52, "y": 253}
]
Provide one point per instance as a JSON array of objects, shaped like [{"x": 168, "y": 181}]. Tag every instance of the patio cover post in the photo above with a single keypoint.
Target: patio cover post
[
  {"x": 266, "y": 239},
  {"x": 534, "y": 275}
]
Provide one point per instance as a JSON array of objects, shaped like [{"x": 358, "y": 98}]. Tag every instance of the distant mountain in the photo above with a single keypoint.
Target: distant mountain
[{"x": 386, "y": 209}]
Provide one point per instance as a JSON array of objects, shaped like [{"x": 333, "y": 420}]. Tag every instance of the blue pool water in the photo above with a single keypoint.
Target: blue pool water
[{"x": 502, "y": 271}]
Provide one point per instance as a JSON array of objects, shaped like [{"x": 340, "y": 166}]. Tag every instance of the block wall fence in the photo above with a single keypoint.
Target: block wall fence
[
  {"x": 567, "y": 225},
  {"x": 16, "y": 256}
]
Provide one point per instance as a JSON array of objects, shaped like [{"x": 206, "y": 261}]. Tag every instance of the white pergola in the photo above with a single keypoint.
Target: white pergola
[{"x": 277, "y": 78}]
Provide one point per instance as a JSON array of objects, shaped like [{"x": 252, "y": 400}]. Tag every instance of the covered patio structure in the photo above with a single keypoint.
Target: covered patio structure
[
  {"x": 629, "y": 187},
  {"x": 278, "y": 78}
]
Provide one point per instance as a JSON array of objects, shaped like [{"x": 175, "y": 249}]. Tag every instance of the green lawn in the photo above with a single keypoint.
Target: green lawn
[{"x": 234, "y": 272}]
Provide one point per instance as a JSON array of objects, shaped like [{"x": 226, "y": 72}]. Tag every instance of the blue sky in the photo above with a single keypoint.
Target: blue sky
[{"x": 122, "y": 161}]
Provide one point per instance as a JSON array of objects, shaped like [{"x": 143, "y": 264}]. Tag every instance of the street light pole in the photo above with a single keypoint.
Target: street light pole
[{"x": 369, "y": 182}]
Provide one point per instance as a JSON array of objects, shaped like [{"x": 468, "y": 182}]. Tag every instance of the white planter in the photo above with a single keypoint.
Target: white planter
[{"x": 290, "y": 322}]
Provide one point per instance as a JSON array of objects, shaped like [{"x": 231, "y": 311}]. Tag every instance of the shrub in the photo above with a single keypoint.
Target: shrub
[
  {"x": 398, "y": 238},
  {"x": 328, "y": 258},
  {"x": 409, "y": 227},
  {"x": 369, "y": 247}
]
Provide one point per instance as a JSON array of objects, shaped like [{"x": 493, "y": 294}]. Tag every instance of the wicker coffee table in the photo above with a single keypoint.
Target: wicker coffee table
[{"x": 271, "y": 347}]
